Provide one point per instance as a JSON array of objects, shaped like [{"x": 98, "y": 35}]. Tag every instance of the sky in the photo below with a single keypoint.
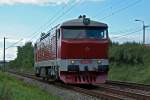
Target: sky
[{"x": 24, "y": 20}]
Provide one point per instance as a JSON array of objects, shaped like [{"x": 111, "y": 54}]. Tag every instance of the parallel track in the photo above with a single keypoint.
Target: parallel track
[
  {"x": 129, "y": 84},
  {"x": 103, "y": 91}
]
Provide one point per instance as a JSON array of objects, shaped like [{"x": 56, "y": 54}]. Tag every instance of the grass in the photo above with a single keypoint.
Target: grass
[
  {"x": 129, "y": 62},
  {"x": 13, "y": 89},
  {"x": 131, "y": 73}
]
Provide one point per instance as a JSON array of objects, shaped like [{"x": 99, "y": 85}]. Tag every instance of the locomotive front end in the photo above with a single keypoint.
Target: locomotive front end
[{"x": 83, "y": 52}]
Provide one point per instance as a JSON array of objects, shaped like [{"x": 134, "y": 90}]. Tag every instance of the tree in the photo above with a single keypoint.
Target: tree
[{"x": 25, "y": 57}]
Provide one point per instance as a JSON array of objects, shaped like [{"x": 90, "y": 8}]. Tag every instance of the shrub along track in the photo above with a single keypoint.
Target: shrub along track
[{"x": 112, "y": 90}]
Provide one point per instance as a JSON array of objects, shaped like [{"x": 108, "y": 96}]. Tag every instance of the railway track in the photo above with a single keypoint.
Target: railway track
[
  {"x": 131, "y": 85},
  {"x": 112, "y": 90},
  {"x": 128, "y": 92}
]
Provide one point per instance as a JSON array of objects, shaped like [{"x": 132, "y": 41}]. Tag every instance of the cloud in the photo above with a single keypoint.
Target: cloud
[
  {"x": 11, "y": 53},
  {"x": 39, "y": 2},
  {"x": 35, "y": 2}
]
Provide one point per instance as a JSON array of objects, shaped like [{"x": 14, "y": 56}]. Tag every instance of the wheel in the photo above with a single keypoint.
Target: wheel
[
  {"x": 56, "y": 77},
  {"x": 38, "y": 71}
]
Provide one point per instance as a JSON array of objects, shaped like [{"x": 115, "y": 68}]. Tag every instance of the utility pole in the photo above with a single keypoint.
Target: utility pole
[
  {"x": 144, "y": 28},
  {"x": 143, "y": 32},
  {"x": 4, "y": 55}
]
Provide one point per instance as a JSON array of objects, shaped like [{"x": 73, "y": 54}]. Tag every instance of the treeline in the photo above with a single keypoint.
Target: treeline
[
  {"x": 25, "y": 58},
  {"x": 128, "y": 53}
]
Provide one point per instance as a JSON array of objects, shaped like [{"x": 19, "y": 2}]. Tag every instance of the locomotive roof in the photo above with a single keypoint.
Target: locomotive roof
[
  {"x": 79, "y": 22},
  {"x": 82, "y": 21}
]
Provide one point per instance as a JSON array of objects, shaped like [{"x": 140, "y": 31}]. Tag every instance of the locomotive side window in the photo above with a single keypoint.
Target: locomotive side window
[{"x": 97, "y": 33}]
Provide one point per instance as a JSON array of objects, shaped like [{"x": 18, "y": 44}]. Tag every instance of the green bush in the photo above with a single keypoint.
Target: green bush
[{"x": 128, "y": 53}]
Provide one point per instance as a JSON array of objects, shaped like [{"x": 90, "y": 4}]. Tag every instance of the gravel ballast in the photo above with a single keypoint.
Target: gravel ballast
[{"x": 65, "y": 94}]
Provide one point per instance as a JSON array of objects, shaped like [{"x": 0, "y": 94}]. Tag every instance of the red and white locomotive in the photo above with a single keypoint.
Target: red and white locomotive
[{"x": 75, "y": 52}]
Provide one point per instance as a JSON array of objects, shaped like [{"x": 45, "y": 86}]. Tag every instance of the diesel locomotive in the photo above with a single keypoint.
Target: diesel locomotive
[{"x": 75, "y": 52}]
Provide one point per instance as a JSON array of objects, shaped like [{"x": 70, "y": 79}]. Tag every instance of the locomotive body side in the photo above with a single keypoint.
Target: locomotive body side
[
  {"x": 46, "y": 56},
  {"x": 75, "y": 52}
]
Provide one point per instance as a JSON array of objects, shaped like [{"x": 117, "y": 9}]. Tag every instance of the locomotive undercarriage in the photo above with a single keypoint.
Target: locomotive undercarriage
[
  {"x": 48, "y": 72},
  {"x": 74, "y": 73}
]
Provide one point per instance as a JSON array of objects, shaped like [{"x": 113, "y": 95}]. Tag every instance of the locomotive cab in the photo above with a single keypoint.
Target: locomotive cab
[{"x": 84, "y": 50}]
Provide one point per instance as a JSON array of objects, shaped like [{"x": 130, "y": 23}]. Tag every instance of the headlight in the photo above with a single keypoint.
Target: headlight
[
  {"x": 72, "y": 62},
  {"x": 98, "y": 61}
]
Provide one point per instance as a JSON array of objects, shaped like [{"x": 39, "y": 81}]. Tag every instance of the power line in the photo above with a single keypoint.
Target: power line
[
  {"x": 123, "y": 31},
  {"x": 128, "y": 37},
  {"x": 65, "y": 12},
  {"x": 14, "y": 44},
  {"x": 108, "y": 7},
  {"x": 53, "y": 18},
  {"x": 34, "y": 33},
  {"x": 56, "y": 18},
  {"x": 126, "y": 34},
  {"x": 124, "y": 8}
]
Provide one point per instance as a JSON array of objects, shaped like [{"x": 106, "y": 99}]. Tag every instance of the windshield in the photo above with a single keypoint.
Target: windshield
[{"x": 85, "y": 33}]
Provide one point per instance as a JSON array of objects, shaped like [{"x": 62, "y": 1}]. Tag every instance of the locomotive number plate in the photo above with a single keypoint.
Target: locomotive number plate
[{"x": 85, "y": 61}]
